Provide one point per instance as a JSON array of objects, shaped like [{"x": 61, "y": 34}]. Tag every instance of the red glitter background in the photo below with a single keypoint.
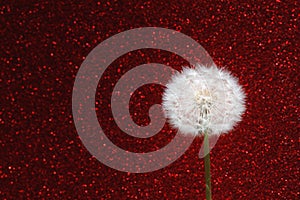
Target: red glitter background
[{"x": 42, "y": 47}]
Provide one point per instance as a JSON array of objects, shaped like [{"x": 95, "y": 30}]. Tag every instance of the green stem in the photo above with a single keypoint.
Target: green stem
[{"x": 207, "y": 167}]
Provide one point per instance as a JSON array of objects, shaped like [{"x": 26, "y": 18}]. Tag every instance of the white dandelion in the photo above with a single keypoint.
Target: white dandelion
[{"x": 204, "y": 100}]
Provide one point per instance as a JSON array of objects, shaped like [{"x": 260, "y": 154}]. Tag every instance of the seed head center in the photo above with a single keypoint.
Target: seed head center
[{"x": 203, "y": 99}]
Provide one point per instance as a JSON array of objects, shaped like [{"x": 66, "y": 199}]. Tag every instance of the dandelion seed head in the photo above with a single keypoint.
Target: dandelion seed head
[{"x": 203, "y": 99}]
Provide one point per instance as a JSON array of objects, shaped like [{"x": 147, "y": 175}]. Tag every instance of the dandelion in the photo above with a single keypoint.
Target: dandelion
[{"x": 203, "y": 101}]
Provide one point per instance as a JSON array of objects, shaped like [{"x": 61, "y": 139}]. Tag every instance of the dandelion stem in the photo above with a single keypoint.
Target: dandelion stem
[{"x": 207, "y": 166}]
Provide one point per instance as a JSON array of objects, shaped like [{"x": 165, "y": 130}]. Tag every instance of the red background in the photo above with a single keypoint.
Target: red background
[{"x": 42, "y": 47}]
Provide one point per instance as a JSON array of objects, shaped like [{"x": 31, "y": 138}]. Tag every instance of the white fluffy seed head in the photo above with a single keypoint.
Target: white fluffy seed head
[{"x": 203, "y": 99}]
